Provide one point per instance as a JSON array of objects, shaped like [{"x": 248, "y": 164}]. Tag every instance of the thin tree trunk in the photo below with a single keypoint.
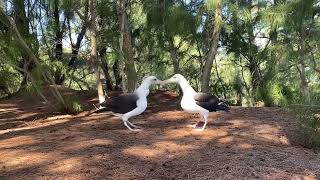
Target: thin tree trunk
[
  {"x": 22, "y": 25},
  {"x": 126, "y": 46},
  {"x": 58, "y": 42},
  {"x": 256, "y": 78},
  {"x": 304, "y": 89},
  {"x": 175, "y": 62},
  {"x": 220, "y": 79},
  {"x": 117, "y": 75},
  {"x": 213, "y": 48},
  {"x": 303, "y": 80},
  {"x": 94, "y": 57},
  {"x": 58, "y": 32},
  {"x": 105, "y": 69},
  {"x": 174, "y": 57},
  {"x": 76, "y": 46}
]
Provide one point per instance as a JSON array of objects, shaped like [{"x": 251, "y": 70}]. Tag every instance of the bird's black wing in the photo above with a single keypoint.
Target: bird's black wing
[
  {"x": 207, "y": 101},
  {"x": 121, "y": 104}
]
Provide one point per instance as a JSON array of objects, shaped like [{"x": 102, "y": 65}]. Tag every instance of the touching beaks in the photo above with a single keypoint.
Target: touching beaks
[
  {"x": 170, "y": 80},
  {"x": 159, "y": 81},
  {"x": 164, "y": 82}
]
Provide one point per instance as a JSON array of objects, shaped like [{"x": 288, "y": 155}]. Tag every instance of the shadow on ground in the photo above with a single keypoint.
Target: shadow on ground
[{"x": 245, "y": 143}]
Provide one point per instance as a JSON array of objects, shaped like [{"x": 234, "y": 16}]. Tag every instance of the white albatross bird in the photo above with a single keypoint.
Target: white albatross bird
[
  {"x": 194, "y": 102},
  {"x": 128, "y": 105}
]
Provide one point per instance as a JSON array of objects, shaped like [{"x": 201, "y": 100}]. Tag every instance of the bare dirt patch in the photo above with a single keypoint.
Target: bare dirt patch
[{"x": 245, "y": 143}]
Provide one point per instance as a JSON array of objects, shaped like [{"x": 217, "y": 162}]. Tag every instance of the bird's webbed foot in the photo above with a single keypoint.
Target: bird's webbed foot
[{"x": 131, "y": 126}]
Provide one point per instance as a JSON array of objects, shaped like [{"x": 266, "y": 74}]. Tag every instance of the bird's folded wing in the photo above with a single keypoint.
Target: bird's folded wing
[
  {"x": 121, "y": 104},
  {"x": 204, "y": 97},
  {"x": 206, "y": 101}
]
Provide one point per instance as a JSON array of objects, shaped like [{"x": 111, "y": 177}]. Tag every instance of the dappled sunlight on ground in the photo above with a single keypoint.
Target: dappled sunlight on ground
[
  {"x": 85, "y": 143},
  {"x": 14, "y": 159},
  {"x": 158, "y": 149},
  {"x": 65, "y": 165},
  {"x": 246, "y": 143}
]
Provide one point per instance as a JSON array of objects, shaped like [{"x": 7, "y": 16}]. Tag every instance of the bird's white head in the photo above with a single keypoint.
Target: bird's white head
[
  {"x": 177, "y": 78},
  {"x": 151, "y": 80}
]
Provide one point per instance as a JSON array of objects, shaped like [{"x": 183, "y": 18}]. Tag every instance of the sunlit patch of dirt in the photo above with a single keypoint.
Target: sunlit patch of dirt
[
  {"x": 226, "y": 140},
  {"x": 19, "y": 158},
  {"x": 85, "y": 143},
  {"x": 18, "y": 141},
  {"x": 66, "y": 165}
]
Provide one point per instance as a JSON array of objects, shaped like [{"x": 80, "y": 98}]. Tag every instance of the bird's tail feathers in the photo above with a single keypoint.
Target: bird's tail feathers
[
  {"x": 222, "y": 106},
  {"x": 102, "y": 109}
]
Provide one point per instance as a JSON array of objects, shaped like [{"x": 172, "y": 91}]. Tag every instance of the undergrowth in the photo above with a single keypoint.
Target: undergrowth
[
  {"x": 72, "y": 106},
  {"x": 307, "y": 113}
]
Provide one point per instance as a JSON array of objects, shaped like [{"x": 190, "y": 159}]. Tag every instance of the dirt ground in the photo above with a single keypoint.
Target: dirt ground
[{"x": 246, "y": 143}]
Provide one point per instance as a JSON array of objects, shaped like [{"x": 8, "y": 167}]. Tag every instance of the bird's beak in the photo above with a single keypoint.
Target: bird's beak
[
  {"x": 159, "y": 82},
  {"x": 170, "y": 80}
]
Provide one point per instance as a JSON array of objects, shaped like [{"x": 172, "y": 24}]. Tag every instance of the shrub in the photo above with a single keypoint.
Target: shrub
[
  {"x": 307, "y": 115},
  {"x": 72, "y": 106}
]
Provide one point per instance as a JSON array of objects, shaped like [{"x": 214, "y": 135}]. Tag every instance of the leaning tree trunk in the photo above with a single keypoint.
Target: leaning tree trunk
[
  {"x": 213, "y": 47},
  {"x": 26, "y": 49},
  {"x": 126, "y": 46},
  {"x": 23, "y": 28},
  {"x": 94, "y": 57}
]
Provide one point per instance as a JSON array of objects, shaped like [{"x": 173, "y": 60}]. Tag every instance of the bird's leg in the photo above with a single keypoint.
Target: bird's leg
[
  {"x": 126, "y": 122},
  {"x": 205, "y": 118},
  {"x": 199, "y": 123},
  {"x": 135, "y": 126}
]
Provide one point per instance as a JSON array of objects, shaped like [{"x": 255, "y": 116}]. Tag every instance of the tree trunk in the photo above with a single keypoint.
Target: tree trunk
[
  {"x": 255, "y": 75},
  {"x": 256, "y": 78},
  {"x": 76, "y": 47},
  {"x": 174, "y": 56},
  {"x": 26, "y": 49},
  {"x": 105, "y": 69},
  {"x": 117, "y": 75},
  {"x": 304, "y": 89},
  {"x": 213, "y": 48},
  {"x": 94, "y": 57},
  {"x": 126, "y": 46},
  {"x": 23, "y": 28},
  {"x": 58, "y": 32},
  {"x": 58, "y": 42},
  {"x": 175, "y": 62},
  {"x": 239, "y": 99}
]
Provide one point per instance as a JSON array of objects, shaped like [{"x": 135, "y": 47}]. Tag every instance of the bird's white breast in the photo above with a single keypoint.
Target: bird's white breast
[
  {"x": 142, "y": 105},
  {"x": 188, "y": 104}
]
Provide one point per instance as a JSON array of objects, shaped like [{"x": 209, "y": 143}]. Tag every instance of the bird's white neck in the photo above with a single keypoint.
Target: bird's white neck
[
  {"x": 143, "y": 90},
  {"x": 186, "y": 88}
]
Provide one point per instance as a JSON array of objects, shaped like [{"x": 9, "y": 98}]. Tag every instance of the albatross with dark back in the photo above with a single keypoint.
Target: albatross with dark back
[
  {"x": 128, "y": 105},
  {"x": 121, "y": 104},
  {"x": 195, "y": 102},
  {"x": 210, "y": 102}
]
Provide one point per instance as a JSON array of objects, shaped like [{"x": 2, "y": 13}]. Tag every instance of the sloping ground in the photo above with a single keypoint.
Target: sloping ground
[{"x": 243, "y": 144}]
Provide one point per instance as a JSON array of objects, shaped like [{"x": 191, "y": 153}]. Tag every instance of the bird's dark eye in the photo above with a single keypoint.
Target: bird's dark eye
[{"x": 154, "y": 79}]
